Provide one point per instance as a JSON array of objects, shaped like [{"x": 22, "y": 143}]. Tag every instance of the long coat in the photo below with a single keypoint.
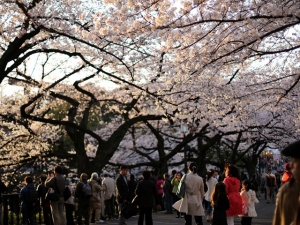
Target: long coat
[
  {"x": 286, "y": 203},
  {"x": 122, "y": 190},
  {"x": 96, "y": 194},
  {"x": 191, "y": 203},
  {"x": 233, "y": 192}
]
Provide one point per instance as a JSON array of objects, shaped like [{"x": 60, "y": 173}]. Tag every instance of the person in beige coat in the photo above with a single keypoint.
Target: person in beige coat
[
  {"x": 108, "y": 185},
  {"x": 288, "y": 195},
  {"x": 191, "y": 203},
  {"x": 96, "y": 197}
]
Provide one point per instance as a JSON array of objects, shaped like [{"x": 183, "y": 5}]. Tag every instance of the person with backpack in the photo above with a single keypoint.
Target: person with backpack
[
  {"x": 83, "y": 194},
  {"x": 44, "y": 203},
  {"x": 96, "y": 197},
  {"x": 29, "y": 199},
  {"x": 57, "y": 183}
]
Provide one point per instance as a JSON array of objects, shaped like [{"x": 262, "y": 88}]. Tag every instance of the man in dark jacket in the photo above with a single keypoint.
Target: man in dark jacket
[
  {"x": 58, "y": 184},
  {"x": 45, "y": 204},
  {"x": 122, "y": 192},
  {"x": 28, "y": 210},
  {"x": 84, "y": 200},
  {"x": 146, "y": 191},
  {"x": 168, "y": 194}
]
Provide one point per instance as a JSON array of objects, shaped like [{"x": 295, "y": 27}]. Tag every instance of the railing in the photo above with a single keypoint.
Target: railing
[{"x": 12, "y": 210}]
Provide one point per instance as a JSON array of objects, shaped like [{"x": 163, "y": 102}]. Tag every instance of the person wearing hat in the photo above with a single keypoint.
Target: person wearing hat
[
  {"x": 270, "y": 185},
  {"x": 288, "y": 195},
  {"x": 287, "y": 175}
]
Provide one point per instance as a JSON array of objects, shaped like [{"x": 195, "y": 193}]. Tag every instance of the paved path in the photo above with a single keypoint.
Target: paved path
[{"x": 264, "y": 211}]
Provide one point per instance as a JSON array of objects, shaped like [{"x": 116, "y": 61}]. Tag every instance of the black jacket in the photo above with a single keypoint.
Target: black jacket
[
  {"x": 219, "y": 211},
  {"x": 147, "y": 192},
  {"x": 122, "y": 191}
]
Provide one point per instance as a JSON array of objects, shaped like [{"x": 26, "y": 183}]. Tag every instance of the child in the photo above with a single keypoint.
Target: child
[
  {"x": 220, "y": 204},
  {"x": 249, "y": 198}
]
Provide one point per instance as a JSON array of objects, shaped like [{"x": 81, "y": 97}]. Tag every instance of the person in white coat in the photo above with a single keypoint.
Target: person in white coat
[
  {"x": 108, "y": 185},
  {"x": 249, "y": 199},
  {"x": 211, "y": 181},
  {"x": 191, "y": 203}
]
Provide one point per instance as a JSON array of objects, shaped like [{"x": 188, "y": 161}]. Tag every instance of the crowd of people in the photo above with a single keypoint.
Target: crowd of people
[{"x": 217, "y": 198}]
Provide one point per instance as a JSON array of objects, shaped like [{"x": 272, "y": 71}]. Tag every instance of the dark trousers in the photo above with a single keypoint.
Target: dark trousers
[
  {"x": 110, "y": 207},
  {"x": 246, "y": 220},
  {"x": 188, "y": 220},
  {"x": 168, "y": 203},
  {"x": 28, "y": 216},
  {"x": 175, "y": 199},
  {"x": 69, "y": 213},
  {"x": 83, "y": 210},
  {"x": 147, "y": 213},
  {"x": 160, "y": 201},
  {"x": 47, "y": 215}
]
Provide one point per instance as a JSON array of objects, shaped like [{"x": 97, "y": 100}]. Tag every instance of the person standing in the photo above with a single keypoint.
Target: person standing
[
  {"x": 191, "y": 203},
  {"x": 3, "y": 189},
  {"x": 27, "y": 209},
  {"x": 233, "y": 185},
  {"x": 108, "y": 185},
  {"x": 45, "y": 203},
  {"x": 122, "y": 192},
  {"x": 69, "y": 203},
  {"x": 167, "y": 190},
  {"x": 270, "y": 185},
  {"x": 146, "y": 191},
  {"x": 83, "y": 193},
  {"x": 211, "y": 181},
  {"x": 175, "y": 182},
  {"x": 131, "y": 187},
  {"x": 220, "y": 204},
  {"x": 95, "y": 200},
  {"x": 57, "y": 182},
  {"x": 160, "y": 191},
  {"x": 286, "y": 202},
  {"x": 249, "y": 199}
]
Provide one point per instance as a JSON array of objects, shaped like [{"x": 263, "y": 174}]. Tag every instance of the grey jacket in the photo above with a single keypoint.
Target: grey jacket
[{"x": 60, "y": 182}]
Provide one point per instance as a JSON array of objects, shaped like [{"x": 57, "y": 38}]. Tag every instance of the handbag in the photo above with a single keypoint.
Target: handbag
[
  {"x": 181, "y": 187},
  {"x": 129, "y": 210},
  {"x": 245, "y": 210},
  {"x": 52, "y": 194}
]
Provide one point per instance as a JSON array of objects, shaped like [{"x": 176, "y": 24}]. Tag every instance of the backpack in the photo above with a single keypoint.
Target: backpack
[
  {"x": 67, "y": 193},
  {"x": 32, "y": 197},
  {"x": 87, "y": 190}
]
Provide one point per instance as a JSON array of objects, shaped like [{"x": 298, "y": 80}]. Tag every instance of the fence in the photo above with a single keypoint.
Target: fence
[{"x": 12, "y": 210}]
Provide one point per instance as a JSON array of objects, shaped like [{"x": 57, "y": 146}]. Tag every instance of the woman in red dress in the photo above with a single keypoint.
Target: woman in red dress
[{"x": 233, "y": 185}]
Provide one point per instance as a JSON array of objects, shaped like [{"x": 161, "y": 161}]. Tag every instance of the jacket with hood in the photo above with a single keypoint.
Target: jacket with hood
[{"x": 232, "y": 189}]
